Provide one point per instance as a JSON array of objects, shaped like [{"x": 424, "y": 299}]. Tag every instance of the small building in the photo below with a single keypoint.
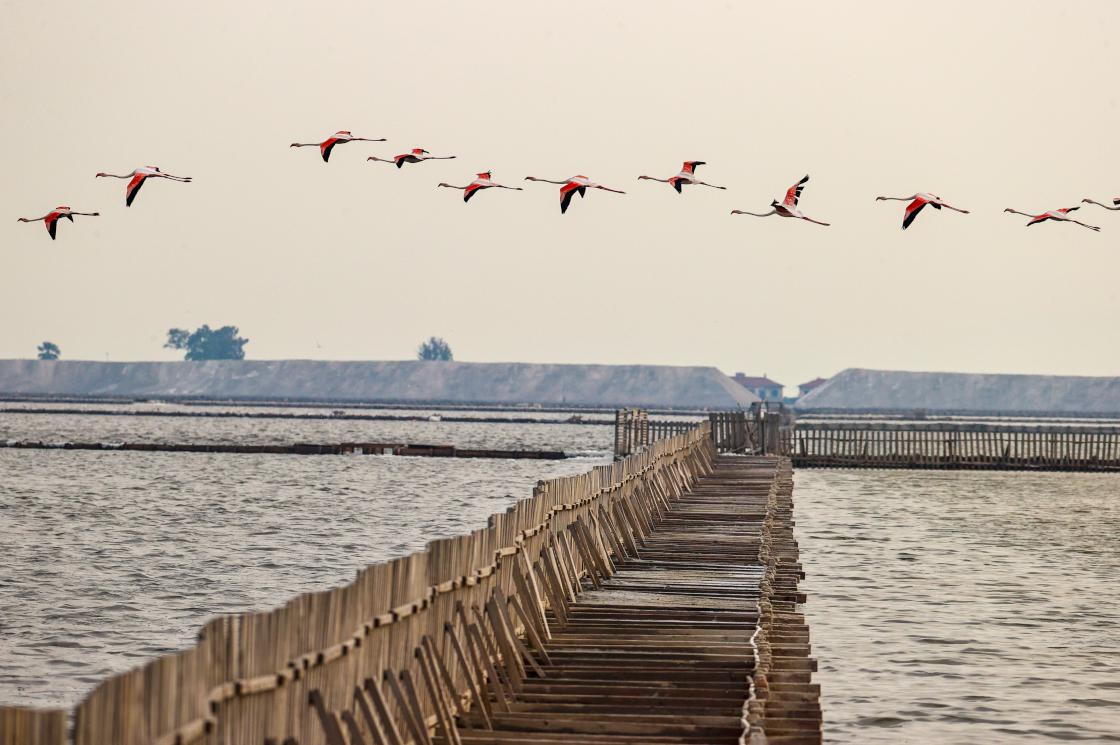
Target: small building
[
  {"x": 806, "y": 387},
  {"x": 763, "y": 387}
]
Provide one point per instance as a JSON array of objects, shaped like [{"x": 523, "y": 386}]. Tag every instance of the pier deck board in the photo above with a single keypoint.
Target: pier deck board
[{"x": 665, "y": 650}]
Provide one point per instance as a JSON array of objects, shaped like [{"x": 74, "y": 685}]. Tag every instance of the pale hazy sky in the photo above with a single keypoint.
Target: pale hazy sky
[{"x": 989, "y": 104}]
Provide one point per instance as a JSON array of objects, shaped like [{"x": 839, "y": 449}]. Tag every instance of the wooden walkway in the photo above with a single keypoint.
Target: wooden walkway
[{"x": 667, "y": 648}]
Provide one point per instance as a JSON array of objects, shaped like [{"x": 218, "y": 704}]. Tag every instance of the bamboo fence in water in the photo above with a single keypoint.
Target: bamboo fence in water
[{"x": 400, "y": 649}]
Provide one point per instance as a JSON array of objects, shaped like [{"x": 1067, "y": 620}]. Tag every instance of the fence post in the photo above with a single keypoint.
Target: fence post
[{"x": 773, "y": 427}]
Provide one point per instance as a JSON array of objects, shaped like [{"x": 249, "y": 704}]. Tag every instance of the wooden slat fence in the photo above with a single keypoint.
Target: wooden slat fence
[
  {"x": 955, "y": 446},
  {"x": 400, "y": 649},
  {"x": 761, "y": 430}
]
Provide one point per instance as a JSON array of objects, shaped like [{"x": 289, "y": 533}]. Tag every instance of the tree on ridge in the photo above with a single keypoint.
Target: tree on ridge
[
  {"x": 435, "y": 348},
  {"x": 48, "y": 350},
  {"x": 205, "y": 343}
]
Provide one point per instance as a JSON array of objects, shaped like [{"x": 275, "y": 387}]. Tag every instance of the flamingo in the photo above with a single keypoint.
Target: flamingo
[
  {"x": 481, "y": 182},
  {"x": 786, "y": 208},
  {"x": 51, "y": 218},
  {"x": 686, "y": 176},
  {"x": 1115, "y": 202},
  {"x": 917, "y": 202},
  {"x": 337, "y": 138},
  {"x": 139, "y": 176},
  {"x": 417, "y": 155},
  {"x": 570, "y": 186},
  {"x": 1061, "y": 215}
]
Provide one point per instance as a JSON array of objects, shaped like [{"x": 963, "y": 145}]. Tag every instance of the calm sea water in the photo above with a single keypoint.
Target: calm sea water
[
  {"x": 963, "y": 607},
  {"x": 570, "y": 438},
  {"x": 113, "y": 558}
]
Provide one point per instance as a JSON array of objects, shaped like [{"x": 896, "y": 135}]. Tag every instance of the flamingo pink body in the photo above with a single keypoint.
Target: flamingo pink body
[
  {"x": 338, "y": 138},
  {"x": 50, "y": 220},
  {"x": 482, "y": 181},
  {"x": 137, "y": 178},
  {"x": 787, "y": 207},
  {"x": 417, "y": 155},
  {"x": 1058, "y": 215},
  {"x": 687, "y": 175},
  {"x": 574, "y": 185},
  {"x": 917, "y": 203}
]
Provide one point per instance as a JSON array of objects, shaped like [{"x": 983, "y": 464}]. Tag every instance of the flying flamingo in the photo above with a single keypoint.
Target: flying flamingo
[
  {"x": 482, "y": 182},
  {"x": 139, "y": 176},
  {"x": 1115, "y": 202},
  {"x": 417, "y": 155},
  {"x": 917, "y": 202},
  {"x": 1061, "y": 215},
  {"x": 686, "y": 176},
  {"x": 786, "y": 208},
  {"x": 337, "y": 138},
  {"x": 51, "y": 218},
  {"x": 573, "y": 185}
]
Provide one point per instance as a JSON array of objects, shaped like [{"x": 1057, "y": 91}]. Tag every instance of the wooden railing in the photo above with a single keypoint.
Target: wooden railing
[
  {"x": 403, "y": 647},
  {"x": 760, "y": 430},
  {"x": 955, "y": 445}
]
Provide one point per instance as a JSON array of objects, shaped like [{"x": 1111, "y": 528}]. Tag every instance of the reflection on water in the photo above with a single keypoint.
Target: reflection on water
[
  {"x": 963, "y": 607},
  {"x": 113, "y": 558}
]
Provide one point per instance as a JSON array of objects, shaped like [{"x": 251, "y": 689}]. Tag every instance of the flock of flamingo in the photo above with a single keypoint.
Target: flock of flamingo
[{"x": 788, "y": 207}]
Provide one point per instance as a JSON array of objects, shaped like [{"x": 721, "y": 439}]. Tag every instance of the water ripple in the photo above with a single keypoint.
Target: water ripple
[
  {"x": 111, "y": 559},
  {"x": 963, "y": 607}
]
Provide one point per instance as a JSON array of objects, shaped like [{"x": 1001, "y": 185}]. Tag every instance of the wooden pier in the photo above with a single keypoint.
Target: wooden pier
[{"x": 653, "y": 600}]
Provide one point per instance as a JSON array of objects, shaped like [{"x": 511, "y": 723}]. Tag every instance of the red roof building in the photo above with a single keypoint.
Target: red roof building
[
  {"x": 763, "y": 387},
  {"x": 806, "y": 387}
]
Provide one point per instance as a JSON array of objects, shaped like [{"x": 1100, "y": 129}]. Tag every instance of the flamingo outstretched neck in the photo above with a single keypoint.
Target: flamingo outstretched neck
[
  {"x": 338, "y": 138},
  {"x": 787, "y": 207},
  {"x": 1116, "y": 202},
  {"x": 50, "y": 220},
  {"x": 574, "y": 185},
  {"x": 1058, "y": 215},
  {"x": 917, "y": 204},
  {"x": 482, "y": 182},
  {"x": 139, "y": 176},
  {"x": 686, "y": 177},
  {"x": 416, "y": 155}
]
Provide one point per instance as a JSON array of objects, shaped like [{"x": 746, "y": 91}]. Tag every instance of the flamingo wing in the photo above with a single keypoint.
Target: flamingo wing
[
  {"x": 794, "y": 193},
  {"x": 51, "y": 221},
  {"x": 471, "y": 190},
  {"x": 400, "y": 160},
  {"x": 133, "y": 188},
  {"x": 566, "y": 192},
  {"x": 912, "y": 211},
  {"x": 1040, "y": 218},
  {"x": 326, "y": 146},
  {"x": 676, "y": 182},
  {"x": 690, "y": 166}
]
